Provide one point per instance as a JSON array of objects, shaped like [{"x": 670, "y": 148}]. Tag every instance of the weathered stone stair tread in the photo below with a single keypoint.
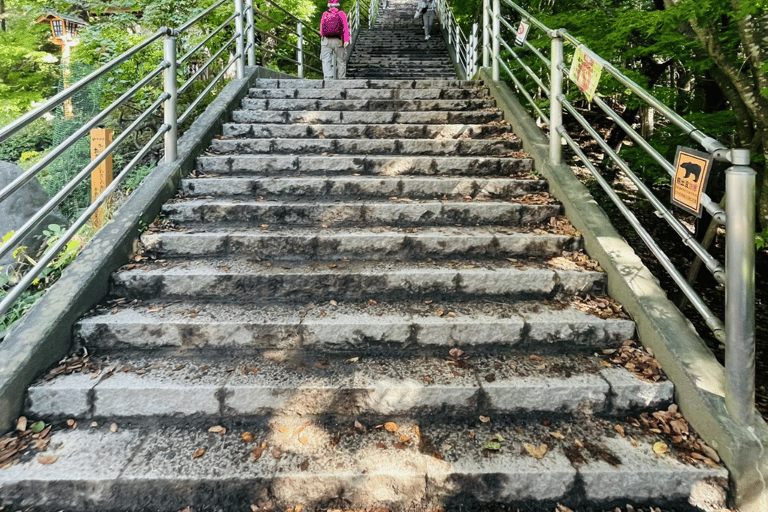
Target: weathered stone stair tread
[
  {"x": 363, "y": 131},
  {"x": 272, "y": 83},
  {"x": 271, "y": 165},
  {"x": 367, "y": 212},
  {"x": 353, "y": 325},
  {"x": 312, "y": 463},
  {"x": 316, "y": 384},
  {"x": 367, "y": 117},
  {"x": 367, "y": 243},
  {"x": 368, "y": 147},
  {"x": 413, "y": 187},
  {"x": 247, "y": 280},
  {"x": 349, "y": 93},
  {"x": 343, "y": 105}
]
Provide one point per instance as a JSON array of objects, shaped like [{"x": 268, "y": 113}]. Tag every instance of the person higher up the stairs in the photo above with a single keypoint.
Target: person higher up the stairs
[
  {"x": 426, "y": 9},
  {"x": 334, "y": 30}
]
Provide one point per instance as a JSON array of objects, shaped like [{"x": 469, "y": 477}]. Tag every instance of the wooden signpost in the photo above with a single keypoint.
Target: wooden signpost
[{"x": 101, "y": 177}]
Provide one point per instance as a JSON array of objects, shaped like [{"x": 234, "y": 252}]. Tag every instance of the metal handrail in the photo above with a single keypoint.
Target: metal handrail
[
  {"x": 737, "y": 274},
  {"x": 242, "y": 27}
]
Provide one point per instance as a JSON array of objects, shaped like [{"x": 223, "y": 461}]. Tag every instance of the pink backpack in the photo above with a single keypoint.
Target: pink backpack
[{"x": 331, "y": 24}]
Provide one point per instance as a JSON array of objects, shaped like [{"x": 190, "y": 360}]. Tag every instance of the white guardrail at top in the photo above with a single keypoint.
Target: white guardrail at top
[
  {"x": 205, "y": 63},
  {"x": 737, "y": 276}
]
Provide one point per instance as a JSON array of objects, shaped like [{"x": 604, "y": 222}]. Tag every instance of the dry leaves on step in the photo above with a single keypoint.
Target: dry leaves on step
[
  {"x": 75, "y": 364},
  {"x": 637, "y": 360},
  {"x": 601, "y": 307},
  {"x": 390, "y": 426},
  {"x": 218, "y": 429},
  {"x": 537, "y": 452},
  {"x": 199, "y": 452}
]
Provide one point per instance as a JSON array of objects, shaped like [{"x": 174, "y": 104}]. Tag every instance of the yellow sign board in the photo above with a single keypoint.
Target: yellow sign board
[
  {"x": 691, "y": 173},
  {"x": 585, "y": 73}
]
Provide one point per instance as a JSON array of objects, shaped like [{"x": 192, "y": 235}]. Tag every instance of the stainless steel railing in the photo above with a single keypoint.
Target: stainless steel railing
[
  {"x": 243, "y": 39},
  {"x": 462, "y": 47},
  {"x": 738, "y": 273}
]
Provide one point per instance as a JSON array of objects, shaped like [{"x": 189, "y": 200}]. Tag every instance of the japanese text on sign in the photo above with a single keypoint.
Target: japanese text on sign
[
  {"x": 585, "y": 72},
  {"x": 691, "y": 174}
]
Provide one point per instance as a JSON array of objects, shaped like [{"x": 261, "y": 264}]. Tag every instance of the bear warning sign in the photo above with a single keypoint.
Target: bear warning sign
[{"x": 690, "y": 180}]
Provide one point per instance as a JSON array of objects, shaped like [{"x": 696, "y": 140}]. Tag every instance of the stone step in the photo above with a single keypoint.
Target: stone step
[
  {"x": 318, "y": 384},
  {"x": 369, "y": 131},
  {"x": 359, "y": 244},
  {"x": 367, "y": 117},
  {"x": 558, "y": 327},
  {"x": 404, "y": 147},
  {"x": 365, "y": 105},
  {"x": 363, "y": 165},
  {"x": 356, "y": 213},
  {"x": 341, "y": 187},
  {"x": 342, "y": 92},
  {"x": 295, "y": 83},
  {"x": 290, "y": 461},
  {"x": 250, "y": 280}
]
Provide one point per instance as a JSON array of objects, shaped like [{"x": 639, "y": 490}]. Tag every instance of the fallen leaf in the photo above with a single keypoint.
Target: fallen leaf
[
  {"x": 247, "y": 437},
  {"x": 256, "y": 454},
  {"x": 94, "y": 425},
  {"x": 255, "y": 508},
  {"x": 660, "y": 448},
  {"x": 218, "y": 429},
  {"x": 485, "y": 419},
  {"x": 619, "y": 429},
  {"x": 404, "y": 438},
  {"x": 557, "y": 435},
  {"x": 303, "y": 439},
  {"x": 199, "y": 452},
  {"x": 536, "y": 451},
  {"x": 304, "y": 465},
  {"x": 492, "y": 445},
  {"x": 353, "y": 359},
  {"x": 71, "y": 423},
  {"x": 37, "y": 427},
  {"x": 391, "y": 426},
  {"x": 21, "y": 425},
  {"x": 276, "y": 453},
  {"x": 578, "y": 443},
  {"x": 534, "y": 357},
  {"x": 381, "y": 445},
  {"x": 359, "y": 426},
  {"x": 283, "y": 430},
  {"x": 47, "y": 460},
  {"x": 113, "y": 428}
]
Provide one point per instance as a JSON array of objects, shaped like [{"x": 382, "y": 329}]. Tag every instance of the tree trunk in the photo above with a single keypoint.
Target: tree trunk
[{"x": 2, "y": 15}]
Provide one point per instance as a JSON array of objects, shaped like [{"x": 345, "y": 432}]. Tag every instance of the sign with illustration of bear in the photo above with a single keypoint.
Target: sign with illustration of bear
[{"x": 690, "y": 180}]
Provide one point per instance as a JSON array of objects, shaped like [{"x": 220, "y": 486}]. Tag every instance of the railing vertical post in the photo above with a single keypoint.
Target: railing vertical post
[
  {"x": 473, "y": 49},
  {"x": 457, "y": 47},
  {"x": 740, "y": 288},
  {"x": 300, "y": 49},
  {"x": 240, "y": 64},
  {"x": 251, "y": 34},
  {"x": 486, "y": 35},
  {"x": 556, "y": 106},
  {"x": 357, "y": 15},
  {"x": 170, "y": 117},
  {"x": 496, "y": 38}
]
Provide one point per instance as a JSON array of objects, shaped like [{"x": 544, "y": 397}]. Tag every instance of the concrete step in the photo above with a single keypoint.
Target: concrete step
[
  {"x": 405, "y": 147},
  {"x": 367, "y": 117},
  {"x": 317, "y": 384},
  {"x": 315, "y": 463},
  {"x": 358, "y": 244},
  {"x": 340, "y": 187},
  {"x": 364, "y": 105},
  {"x": 295, "y": 83},
  {"x": 356, "y": 213},
  {"x": 369, "y": 131},
  {"x": 364, "y": 165},
  {"x": 558, "y": 327},
  {"x": 250, "y": 280},
  {"x": 342, "y": 92}
]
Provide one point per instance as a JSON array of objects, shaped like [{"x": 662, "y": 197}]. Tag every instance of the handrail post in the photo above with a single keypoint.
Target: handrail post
[
  {"x": 240, "y": 64},
  {"x": 300, "y": 49},
  {"x": 357, "y": 15},
  {"x": 740, "y": 288},
  {"x": 556, "y": 106},
  {"x": 251, "y": 34},
  {"x": 486, "y": 35},
  {"x": 496, "y": 38},
  {"x": 457, "y": 47},
  {"x": 170, "y": 117},
  {"x": 473, "y": 49}
]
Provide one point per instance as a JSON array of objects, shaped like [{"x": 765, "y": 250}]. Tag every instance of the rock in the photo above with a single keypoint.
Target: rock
[{"x": 20, "y": 207}]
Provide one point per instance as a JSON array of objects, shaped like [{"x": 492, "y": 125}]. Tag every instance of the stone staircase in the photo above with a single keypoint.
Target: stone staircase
[
  {"x": 394, "y": 48},
  {"x": 363, "y": 296}
]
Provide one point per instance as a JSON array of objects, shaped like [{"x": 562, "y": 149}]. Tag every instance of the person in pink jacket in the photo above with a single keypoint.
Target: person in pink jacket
[{"x": 334, "y": 32}]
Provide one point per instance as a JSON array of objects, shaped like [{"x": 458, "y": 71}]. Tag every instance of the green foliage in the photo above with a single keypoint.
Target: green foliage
[{"x": 24, "y": 262}]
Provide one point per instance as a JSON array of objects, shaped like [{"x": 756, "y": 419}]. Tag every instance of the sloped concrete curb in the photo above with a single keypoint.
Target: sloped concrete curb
[
  {"x": 44, "y": 335},
  {"x": 698, "y": 377}
]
